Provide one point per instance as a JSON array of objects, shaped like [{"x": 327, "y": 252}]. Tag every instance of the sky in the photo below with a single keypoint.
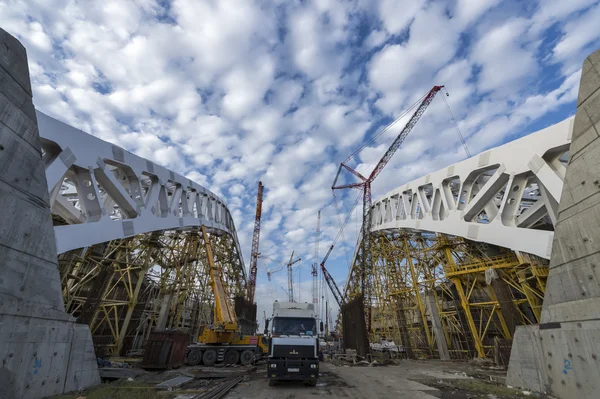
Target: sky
[{"x": 230, "y": 92}]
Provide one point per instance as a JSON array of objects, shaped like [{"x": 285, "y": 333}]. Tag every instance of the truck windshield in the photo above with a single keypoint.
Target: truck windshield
[{"x": 294, "y": 326}]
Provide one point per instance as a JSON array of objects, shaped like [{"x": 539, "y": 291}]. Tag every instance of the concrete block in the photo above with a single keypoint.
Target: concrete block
[
  {"x": 585, "y": 138},
  {"x": 21, "y": 166},
  {"x": 526, "y": 360},
  {"x": 30, "y": 230},
  {"x": 570, "y": 352},
  {"x": 13, "y": 58},
  {"x": 590, "y": 81},
  {"x": 17, "y": 121},
  {"x": 16, "y": 94},
  {"x": 583, "y": 309}
]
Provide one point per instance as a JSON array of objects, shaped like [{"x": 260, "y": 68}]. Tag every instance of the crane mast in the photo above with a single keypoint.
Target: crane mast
[
  {"x": 315, "y": 285},
  {"x": 255, "y": 239},
  {"x": 290, "y": 278},
  {"x": 365, "y": 186},
  {"x": 225, "y": 319}
]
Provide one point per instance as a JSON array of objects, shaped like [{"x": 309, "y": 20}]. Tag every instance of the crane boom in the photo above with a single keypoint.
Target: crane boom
[
  {"x": 335, "y": 290},
  {"x": 315, "y": 272},
  {"x": 404, "y": 132},
  {"x": 255, "y": 240},
  {"x": 225, "y": 318},
  {"x": 365, "y": 185}
]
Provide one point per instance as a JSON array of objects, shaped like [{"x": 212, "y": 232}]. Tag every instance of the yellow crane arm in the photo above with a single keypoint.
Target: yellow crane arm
[{"x": 225, "y": 317}]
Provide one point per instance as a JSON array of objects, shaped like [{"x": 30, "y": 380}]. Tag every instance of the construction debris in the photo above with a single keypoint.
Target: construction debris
[
  {"x": 174, "y": 383},
  {"x": 222, "y": 389}
]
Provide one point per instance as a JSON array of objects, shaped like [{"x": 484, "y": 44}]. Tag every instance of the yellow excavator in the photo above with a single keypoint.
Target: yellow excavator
[{"x": 223, "y": 342}]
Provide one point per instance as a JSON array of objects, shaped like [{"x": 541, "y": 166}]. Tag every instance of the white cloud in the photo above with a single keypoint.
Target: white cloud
[
  {"x": 504, "y": 60},
  {"x": 578, "y": 34}
]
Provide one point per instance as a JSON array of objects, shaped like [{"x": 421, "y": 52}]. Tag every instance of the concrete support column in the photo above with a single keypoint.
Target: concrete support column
[
  {"x": 562, "y": 355},
  {"x": 163, "y": 314},
  {"x": 43, "y": 352},
  {"x": 438, "y": 329}
]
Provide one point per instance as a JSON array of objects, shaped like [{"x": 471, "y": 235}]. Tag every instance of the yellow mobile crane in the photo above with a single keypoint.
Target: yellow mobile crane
[{"x": 223, "y": 342}]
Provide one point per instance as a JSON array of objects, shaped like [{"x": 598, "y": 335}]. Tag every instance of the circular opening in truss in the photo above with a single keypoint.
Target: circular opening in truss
[
  {"x": 511, "y": 201},
  {"x": 516, "y": 187},
  {"x": 91, "y": 196},
  {"x": 87, "y": 183}
]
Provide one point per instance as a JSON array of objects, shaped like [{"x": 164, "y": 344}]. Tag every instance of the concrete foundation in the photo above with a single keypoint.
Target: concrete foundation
[
  {"x": 43, "y": 351},
  {"x": 561, "y": 356}
]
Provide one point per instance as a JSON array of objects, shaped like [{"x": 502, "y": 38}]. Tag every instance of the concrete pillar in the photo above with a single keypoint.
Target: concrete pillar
[
  {"x": 568, "y": 337},
  {"x": 163, "y": 314},
  {"x": 438, "y": 329},
  {"x": 43, "y": 352}
]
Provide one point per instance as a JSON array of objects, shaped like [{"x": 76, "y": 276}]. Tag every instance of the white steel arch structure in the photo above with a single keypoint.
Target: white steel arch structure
[
  {"x": 507, "y": 196},
  {"x": 102, "y": 192}
]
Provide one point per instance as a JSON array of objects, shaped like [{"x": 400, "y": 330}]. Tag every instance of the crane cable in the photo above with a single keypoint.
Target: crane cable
[
  {"x": 388, "y": 127},
  {"x": 462, "y": 139}
]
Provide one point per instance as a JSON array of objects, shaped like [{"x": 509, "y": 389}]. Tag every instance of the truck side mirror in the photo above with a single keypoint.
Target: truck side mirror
[
  {"x": 321, "y": 326},
  {"x": 266, "y": 326}
]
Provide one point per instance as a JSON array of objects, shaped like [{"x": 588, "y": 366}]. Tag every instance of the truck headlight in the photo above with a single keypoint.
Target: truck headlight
[
  {"x": 313, "y": 366},
  {"x": 273, "y": 365}
]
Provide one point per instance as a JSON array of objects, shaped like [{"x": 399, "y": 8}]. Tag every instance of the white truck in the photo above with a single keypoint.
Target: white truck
[{"x": 294, "y": 343}]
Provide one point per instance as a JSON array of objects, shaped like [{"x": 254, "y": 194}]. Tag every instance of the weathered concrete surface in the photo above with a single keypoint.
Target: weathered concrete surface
[
  {"x": 438, "y": 329},
  {"x": 568, "y": 337},
  {"x": 43, "y": 351}
]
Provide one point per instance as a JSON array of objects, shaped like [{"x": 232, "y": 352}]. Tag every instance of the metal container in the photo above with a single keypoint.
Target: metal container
[{"x": 165, "y": 349}]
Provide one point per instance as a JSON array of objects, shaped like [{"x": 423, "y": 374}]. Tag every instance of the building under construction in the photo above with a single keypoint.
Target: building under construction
[
  {"x": 124, "y": 288},
  {"x": 448, "y": 297}
]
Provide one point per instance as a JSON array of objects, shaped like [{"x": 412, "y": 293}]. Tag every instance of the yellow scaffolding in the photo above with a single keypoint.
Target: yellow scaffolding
[
  {"x": 480, "y": 292},
  {"x": 124, "y": 288}
]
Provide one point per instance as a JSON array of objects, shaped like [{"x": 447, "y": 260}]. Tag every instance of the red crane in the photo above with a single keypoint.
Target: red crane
[
  {"x": 365, "y": 186},
  {"x": 255, "y": 238}
]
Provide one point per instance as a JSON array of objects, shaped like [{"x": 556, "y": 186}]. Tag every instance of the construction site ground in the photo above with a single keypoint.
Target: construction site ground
[{"x": 419, "y": 379}]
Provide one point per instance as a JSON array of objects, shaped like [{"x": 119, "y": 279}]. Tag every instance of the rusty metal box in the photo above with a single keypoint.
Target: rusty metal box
[{"x": 165, "y": 349}]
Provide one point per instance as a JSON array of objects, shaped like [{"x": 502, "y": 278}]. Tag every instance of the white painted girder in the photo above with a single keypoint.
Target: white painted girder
[
  {"x": 485, "y": 198},
  {"x": 105, "y": 193}
]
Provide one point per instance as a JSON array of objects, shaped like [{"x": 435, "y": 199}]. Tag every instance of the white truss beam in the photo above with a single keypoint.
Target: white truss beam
[
  {"x": 104, "y": 192},
  {"x": 506, "y": 196}
]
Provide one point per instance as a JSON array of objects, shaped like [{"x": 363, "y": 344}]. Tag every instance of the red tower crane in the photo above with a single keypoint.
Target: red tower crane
[
  {"x": 365, "y": 186},
  {"x": 255, "y": 238}
]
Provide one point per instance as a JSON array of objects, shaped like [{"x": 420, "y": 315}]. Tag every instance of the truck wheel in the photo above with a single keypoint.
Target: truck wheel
[
  {"x": 210, "y": 357},
  {"x": 246, "y": 357},
  {"x": 312, "y": 383},
  {"x": 272, "y": 382},
  {"x": 231, "y": 357},
  {"x": 194, "y": 357}
]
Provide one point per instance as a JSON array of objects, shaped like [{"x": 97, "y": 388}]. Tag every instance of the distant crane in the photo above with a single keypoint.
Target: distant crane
[
  {"x": 255, "y": 238},
  {"x": 290, "y": 278},
  {"x": 315, "y": 285},
  {"x": 365, "y": 186},
  {"x": 335, "y": 290}
]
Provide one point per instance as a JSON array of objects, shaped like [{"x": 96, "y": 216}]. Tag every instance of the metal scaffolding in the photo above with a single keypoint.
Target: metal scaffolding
[
  {"x": 124, "y": 288},
  {"x": 448, "y": 297}
]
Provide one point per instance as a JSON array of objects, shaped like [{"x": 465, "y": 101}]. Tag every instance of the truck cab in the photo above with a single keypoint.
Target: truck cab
[{"x": 294, "y": 343}]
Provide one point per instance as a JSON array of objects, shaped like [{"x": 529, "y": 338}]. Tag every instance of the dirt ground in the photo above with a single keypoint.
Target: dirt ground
[{"x": 407, "y": 379}]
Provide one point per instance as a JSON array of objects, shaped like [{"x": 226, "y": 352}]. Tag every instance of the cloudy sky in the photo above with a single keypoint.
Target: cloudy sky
[{"x": 229, "y": 92}]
